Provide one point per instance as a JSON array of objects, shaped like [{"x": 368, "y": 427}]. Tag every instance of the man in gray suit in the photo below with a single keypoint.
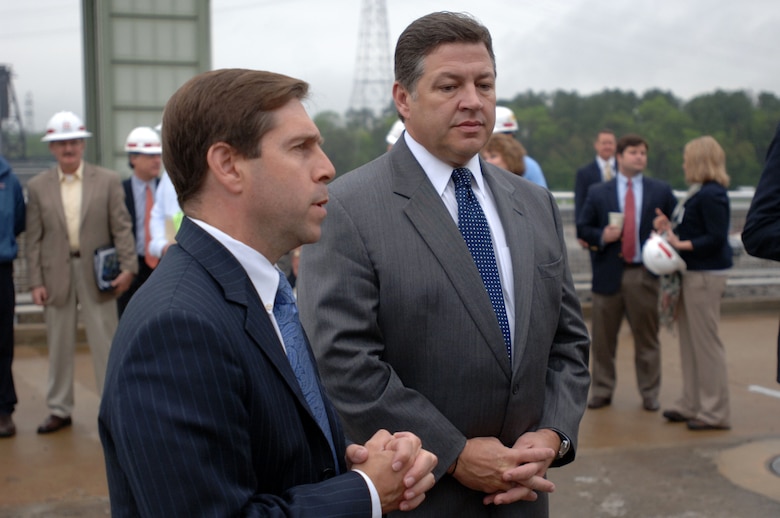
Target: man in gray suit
[{"x": 410, "y": 331}]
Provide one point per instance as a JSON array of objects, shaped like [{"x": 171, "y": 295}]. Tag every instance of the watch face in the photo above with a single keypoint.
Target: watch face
[{"x": 564, "y": 449}]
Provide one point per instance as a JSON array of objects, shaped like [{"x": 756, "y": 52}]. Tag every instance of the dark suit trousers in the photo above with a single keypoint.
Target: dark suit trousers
[
  {"x": 143, "y": 273},
  {"x": 7, "y": 302},
  {"x": 638, "y": 301}
]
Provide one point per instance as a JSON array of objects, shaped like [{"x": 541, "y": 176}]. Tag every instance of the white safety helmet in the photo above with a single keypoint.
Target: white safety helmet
[
  {"x": 144, "y": 140},
  {"x": 506, "y": 122},
  {"x": 660, "y": 257},
  {"x": 65, "y": 126},
  {"x": 395, "y": 132}
]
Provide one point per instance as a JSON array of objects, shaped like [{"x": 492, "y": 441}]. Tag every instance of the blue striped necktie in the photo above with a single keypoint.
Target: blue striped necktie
[
  {"x": 475, "y": 230},
  {"x": 286, "y": 315}
]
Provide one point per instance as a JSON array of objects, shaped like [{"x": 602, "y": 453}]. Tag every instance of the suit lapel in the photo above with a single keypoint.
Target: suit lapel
[
  {"x": 53, "y": 198},
  {"x": 87, "y": 191},
  {"x": 521, "y": 247},
  {"x": 238, "y": 289},
  {"x": 433, "y": 222}
]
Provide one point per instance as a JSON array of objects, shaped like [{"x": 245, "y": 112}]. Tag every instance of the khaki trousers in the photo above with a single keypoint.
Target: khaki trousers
[
  {"x": 100, "y": 322},
  {"x": 702, "y": 354},
  {"x": 638, "y": 301}
]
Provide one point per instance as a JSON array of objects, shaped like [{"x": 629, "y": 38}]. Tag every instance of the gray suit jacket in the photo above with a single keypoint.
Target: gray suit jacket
[
  {"x": 104, "y": 221},
  {"x": 406, "y": 337}
]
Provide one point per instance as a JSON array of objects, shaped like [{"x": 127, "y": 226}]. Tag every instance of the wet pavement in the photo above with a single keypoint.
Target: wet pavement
[{"x": 630, "y": 462}]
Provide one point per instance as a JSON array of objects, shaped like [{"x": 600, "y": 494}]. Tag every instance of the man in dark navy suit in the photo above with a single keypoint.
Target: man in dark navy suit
[
  {"x": 621, "y": 285},
  {"x": 761, "y": 235},
  {"x": 602, "y": 169},
  {"x": 144, "y": 151},
  {"x": 203, "y": 413}
]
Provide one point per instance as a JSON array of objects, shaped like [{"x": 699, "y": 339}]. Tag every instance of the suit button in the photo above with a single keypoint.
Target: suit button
[
  {"x": 515, "y": 389},
  {"x": 328, "y": 473}
]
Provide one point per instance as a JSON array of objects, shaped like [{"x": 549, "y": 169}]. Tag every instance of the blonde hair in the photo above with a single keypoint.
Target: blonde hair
[{"x": 705, "y": 161}]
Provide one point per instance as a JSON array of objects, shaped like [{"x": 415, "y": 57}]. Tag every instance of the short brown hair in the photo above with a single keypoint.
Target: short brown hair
[
  {"x": 630, "y": 140},
  {"x": 705, "y": 161},
  {"x": 510, "y": 149},
  {"x": 230, "y": 105},
  {"x": 425, "y": 34}
]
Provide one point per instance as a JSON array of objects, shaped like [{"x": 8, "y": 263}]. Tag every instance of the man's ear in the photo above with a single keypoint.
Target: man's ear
[
  {"x": 401, "y": 96},
  {"x": 225, "y": 166}
]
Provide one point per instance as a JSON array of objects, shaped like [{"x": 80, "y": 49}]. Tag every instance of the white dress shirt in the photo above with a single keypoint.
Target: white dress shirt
[{"x": 440, "y": 175}]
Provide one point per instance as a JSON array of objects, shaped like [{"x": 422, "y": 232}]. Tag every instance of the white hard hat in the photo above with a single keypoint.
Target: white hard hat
[
  {"x": 395, "y": 132},
  {"x": 144, "y": 140},
  {"x": 65, "y": 126},
  {"x": 660, "y": 257},
  {"x": 506, "y": 122}
]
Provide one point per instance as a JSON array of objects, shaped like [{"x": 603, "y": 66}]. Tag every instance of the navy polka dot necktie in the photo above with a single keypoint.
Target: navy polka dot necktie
[{"x": 476, "y": 232}]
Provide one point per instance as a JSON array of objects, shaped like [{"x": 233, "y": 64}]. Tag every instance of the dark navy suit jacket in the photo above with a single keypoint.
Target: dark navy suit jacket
[
  {"x": 201, "y": 413},
  {"x": 607, "y": 260},
  {"x": 586, "y": 176},
  {"x": 761, "y": 235}
]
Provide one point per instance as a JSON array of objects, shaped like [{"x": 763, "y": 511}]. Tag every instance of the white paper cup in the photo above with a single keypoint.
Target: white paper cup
[{"x": 616, "y": 219}]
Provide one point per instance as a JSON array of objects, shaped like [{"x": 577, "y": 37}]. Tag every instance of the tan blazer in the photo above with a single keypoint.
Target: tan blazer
[{"x": 104, "y": 221}]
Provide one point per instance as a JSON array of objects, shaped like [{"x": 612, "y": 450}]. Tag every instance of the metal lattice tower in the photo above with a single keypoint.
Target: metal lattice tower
[
  {"x": 372, "y": 88},
  {"x": 12, "y": 137}
]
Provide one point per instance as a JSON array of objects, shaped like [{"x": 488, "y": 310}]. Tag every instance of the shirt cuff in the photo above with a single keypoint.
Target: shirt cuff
[{"x": 376, "y": 504}]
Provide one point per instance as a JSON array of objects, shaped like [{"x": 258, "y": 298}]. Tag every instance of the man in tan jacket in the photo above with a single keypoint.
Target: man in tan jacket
[{"x": 73, "y": 209}]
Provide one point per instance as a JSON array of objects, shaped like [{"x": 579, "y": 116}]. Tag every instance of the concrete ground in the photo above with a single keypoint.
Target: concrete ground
[{"x": 630, "y": 462}]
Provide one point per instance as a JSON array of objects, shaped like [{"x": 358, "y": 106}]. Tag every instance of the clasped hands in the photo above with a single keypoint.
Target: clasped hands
[
  {"x": 399, "y": 467},
  {"x": 508, "y": 475}
]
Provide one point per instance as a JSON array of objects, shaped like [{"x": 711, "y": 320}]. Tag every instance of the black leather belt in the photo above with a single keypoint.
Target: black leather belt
[{"x": 75, "y": 254}]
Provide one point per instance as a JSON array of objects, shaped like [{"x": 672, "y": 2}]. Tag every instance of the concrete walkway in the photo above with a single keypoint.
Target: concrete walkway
[{"x": 630, "y": 463}]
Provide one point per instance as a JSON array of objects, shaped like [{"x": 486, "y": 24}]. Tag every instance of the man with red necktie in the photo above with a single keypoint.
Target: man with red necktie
[
  {"x": 621, "y": 284},
  {"x": 144, "y": 152}
]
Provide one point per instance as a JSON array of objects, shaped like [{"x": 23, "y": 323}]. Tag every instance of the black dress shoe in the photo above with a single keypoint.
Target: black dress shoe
[
  {"x": 673, "y": 416},
  {"x": 650, "y": 404},
  {"x": 54, "y": 423},
  {"x": 697, "y": 425},
  {"x": 599, "y": 402},
  {"x": 7, "y": 427}
]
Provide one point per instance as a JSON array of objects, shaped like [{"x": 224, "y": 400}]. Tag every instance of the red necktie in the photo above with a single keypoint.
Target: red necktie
[
  {"x": 151, "y": 261},
  {"x": 629, "y": 225}
]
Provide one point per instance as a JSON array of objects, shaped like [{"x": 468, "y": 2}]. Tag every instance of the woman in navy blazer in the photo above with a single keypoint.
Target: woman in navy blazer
[{"x": 699, "y": 231}]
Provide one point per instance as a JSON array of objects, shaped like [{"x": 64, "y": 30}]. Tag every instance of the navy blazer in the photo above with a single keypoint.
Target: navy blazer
[
  {"x": 761, "y": 235},
  {"x": 706, "y": 224},
  {"x": 607, "y": 260},
  {"x": 586, "y": 176},
  {"x": 201, "y": 413}
]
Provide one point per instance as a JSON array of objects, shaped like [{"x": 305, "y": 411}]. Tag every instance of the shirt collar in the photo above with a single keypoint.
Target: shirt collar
[
  {"x": 263, "y": 274},
  {"x": 78, "y": 175},
  {"x": 438, "y": 172}
]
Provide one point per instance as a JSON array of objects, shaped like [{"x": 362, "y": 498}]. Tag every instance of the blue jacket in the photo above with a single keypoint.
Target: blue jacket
[
  {"x": 12, "y": 212},
  {"x": 706, "y": 224}
]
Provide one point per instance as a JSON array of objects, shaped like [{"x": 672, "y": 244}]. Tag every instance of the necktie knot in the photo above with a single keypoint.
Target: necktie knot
[
  {"x": 284, "y": 293},
  {"x": 461, "y": 177}
]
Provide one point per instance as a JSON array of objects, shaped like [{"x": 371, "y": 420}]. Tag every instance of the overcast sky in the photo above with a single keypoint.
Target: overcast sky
[{"x": 686, "y": 46}]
